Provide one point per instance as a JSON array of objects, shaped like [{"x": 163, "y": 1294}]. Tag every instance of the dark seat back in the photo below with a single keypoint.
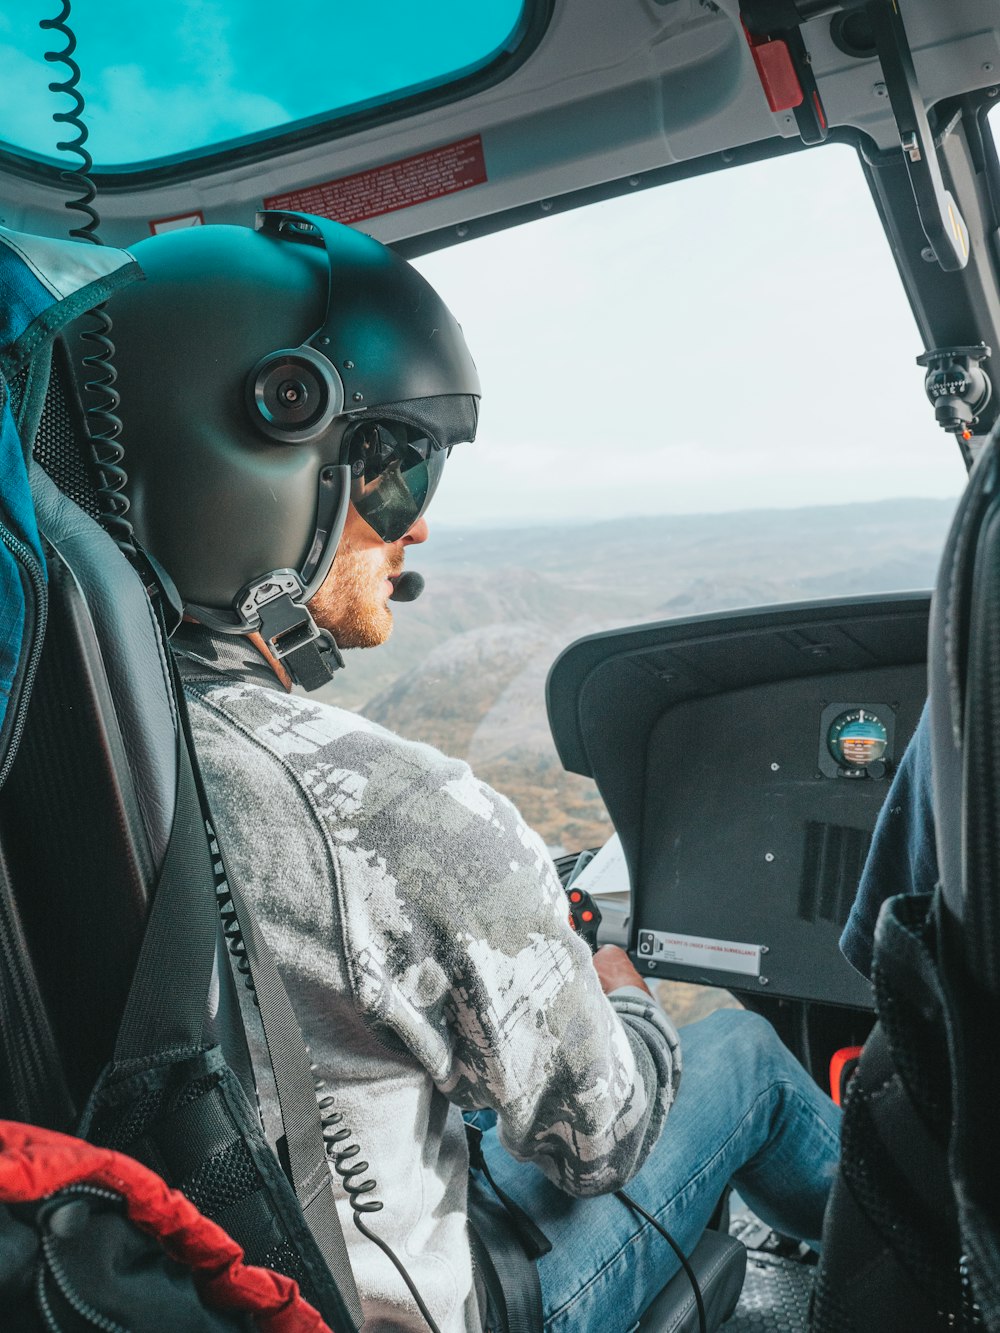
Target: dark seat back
[
  {"x": 86, "y": 811},
  {"x": 912, "y": 1234}
]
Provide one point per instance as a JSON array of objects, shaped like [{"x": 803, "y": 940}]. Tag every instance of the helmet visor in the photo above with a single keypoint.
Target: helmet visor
[{"x": 395, "y": 470}]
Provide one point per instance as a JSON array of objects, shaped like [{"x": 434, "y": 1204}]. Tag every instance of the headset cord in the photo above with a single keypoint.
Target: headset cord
[
  {"x": 335, "y": 1132},
  {"x": 692, "y": 1278},
  {"x": 79, "y": 178},
  {"x": 103, "y": 424}
]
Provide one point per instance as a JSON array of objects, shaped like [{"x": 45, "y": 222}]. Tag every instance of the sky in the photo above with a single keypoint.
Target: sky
[
  {"x": 161, "y": 79},
  {"x": 739, "y": 340}
]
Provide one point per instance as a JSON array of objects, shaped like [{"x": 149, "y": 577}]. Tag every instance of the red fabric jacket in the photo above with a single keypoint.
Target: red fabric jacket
[{"x": 37, "y": 1162}]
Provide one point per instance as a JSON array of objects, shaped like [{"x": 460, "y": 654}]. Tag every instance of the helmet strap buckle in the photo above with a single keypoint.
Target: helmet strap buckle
[{"x": 275, "y": 606}]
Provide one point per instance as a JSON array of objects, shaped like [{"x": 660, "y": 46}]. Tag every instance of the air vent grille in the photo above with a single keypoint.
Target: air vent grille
[{"x": 831, "y": 868}]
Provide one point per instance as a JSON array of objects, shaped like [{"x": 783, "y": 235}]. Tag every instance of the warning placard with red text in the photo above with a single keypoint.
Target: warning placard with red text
[
  {"x": 701, "y": 951},
  {"x": 412, "y": 180}
]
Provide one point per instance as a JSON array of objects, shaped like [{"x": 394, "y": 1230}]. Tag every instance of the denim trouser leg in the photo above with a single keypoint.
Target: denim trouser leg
[{"x": 746, "y": 1111}]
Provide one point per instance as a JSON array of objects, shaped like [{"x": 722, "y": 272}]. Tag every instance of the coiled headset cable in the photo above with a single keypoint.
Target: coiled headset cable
[
  {"x": 103, "y": 424},
  {"x": 341, "y": 1153},
  {"x": 359, "y": 1191},
  {"x": 79, "y": 178}
]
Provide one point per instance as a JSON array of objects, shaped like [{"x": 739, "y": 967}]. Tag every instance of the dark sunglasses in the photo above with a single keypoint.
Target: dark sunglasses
[{"x": 395, "y": 470}]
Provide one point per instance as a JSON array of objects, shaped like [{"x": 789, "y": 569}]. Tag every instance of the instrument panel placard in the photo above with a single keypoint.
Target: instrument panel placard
[{"x": 702, "y": 952}]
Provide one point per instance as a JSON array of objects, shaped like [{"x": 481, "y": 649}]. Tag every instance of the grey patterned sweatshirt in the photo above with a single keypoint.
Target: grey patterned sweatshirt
[{"x": 423, "y": 936}]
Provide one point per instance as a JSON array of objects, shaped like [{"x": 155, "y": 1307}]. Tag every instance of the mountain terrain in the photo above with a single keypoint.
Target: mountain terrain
[{"x": 465, "y": 669}]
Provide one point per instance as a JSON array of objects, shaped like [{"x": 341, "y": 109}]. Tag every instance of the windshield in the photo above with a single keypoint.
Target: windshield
[{"x": 698, "y": 397}]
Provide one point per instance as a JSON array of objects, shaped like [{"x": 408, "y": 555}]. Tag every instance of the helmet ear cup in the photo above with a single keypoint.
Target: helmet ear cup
[{"x": 293, "y": 395}]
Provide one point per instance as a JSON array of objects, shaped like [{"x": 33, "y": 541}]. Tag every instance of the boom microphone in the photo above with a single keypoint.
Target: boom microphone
[{"x": 407, "y": 587}]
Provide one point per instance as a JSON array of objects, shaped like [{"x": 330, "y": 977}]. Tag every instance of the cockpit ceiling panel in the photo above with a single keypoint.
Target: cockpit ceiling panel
[{"x": 591, "y": 97}]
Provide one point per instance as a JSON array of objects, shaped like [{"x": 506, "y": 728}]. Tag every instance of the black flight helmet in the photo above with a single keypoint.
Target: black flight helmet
[{"x": 267, "y": 377}]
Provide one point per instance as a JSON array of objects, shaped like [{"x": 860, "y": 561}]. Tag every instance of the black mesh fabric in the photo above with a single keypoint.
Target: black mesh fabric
[
  {"x": 837, "y": 1316},
  {"x": 921, "y": 1060},
  {"x": 61, "y": 444},
  {"x": 120, "y": 1131},
  {"x": 190, "y": 1121},
  {"x": 891, "y": 1234},
  {"x": 912, "y": 1023},
  {"x": 223, "y": 1179},
  {"x": 225, "y": 1172},
  {"x": 888, "y": 1262},
  {"x": 921, "y": 1242},
  {"x": 283, "y": 1259},
  {"x": 197, "y": 1089}
]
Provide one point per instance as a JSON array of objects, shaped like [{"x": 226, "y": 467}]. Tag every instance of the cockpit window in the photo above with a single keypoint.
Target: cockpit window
[
  {"x": 164, "y": 82},
  {"x": 696, "y": 398}
]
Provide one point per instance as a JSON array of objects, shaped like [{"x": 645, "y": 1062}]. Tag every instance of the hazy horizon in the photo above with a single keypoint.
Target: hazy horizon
[{"x": 515, "y": 521}]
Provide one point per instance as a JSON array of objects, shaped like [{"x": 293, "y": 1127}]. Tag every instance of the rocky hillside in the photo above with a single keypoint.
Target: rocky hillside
[{"x": 465, "y": 669}]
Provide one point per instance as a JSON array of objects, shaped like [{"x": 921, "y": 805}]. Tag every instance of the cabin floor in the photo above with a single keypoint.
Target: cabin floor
[{"x": 775, "y": 1295}]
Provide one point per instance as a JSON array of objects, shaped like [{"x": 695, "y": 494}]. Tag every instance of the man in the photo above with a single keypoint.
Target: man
[{"x": 291, "y": 396}]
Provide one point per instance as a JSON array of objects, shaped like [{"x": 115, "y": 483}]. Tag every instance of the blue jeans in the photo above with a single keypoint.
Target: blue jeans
[{"x": 747, "y": 1112}]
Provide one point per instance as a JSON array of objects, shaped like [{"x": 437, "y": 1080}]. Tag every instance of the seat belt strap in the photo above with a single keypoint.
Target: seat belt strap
[
  {"x": 165, "y": 1010},
  {"x": 307, "y": 1165},
  {"x": 533, "y": 1239},
  {"x": 510, "y": 1277},
  {"x": 166, "y": 1006},
  {"x": 301, "y": 1149}
]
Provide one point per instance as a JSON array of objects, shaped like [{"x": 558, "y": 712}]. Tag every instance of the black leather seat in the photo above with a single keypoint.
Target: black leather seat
[
  {"x": 720, "y": 1265},
  {"x": 86, "y": 811},
  {"x": 88, "y": 806}
]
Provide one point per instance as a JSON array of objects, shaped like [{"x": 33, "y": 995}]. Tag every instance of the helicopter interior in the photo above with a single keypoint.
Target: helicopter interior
[{"x": 742, "y": 756}]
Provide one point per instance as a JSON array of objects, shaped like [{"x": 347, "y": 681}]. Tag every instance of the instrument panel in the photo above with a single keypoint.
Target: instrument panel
[{"x": 744, "y": 760}]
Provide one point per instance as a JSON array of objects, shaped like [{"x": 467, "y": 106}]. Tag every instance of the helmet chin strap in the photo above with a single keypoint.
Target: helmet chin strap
[
  {"x": 275, "y": 607},
  {"x": 257, "y": 641}
]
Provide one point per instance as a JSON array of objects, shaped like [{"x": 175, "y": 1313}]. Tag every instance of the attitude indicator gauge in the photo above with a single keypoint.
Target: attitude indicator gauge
[{"x": 857, "y": 738}]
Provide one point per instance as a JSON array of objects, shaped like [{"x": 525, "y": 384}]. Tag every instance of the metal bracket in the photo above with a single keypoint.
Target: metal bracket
[
  {"x": 772, "y": 30},
  {"x": 275, "y": 605},
  {"x": 942, "y": 223},
  {"x": 783, "y": 65},
  {"x": 276, "y": 608}
]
